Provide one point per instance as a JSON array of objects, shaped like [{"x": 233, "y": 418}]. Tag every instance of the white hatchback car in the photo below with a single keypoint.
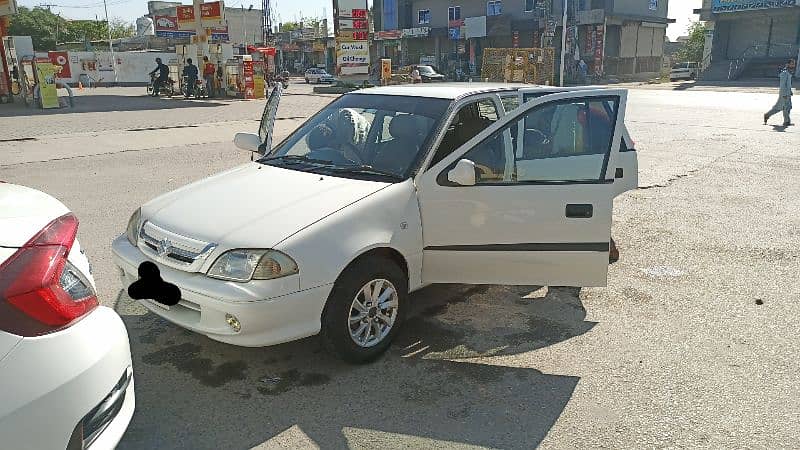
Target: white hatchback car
[
  {"x": 316, "y": 75},
  {"x": 382, "y": 192},
  {"x": 65, "y": 363},
  {"x": 684, "y": 71}
]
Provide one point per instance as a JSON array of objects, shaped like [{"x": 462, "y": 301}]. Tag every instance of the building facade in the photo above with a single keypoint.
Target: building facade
[
  {"x": 748, "y": 38},
  {"x": 614, "y": 37}
]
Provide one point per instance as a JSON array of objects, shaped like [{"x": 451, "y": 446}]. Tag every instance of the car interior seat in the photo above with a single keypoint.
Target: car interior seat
[{"x": 408, "y": 134}]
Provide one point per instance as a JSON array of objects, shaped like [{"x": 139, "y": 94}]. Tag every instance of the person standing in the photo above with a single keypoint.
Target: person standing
[
  {"x": 415, "y": 76},
  {"x": 190, "y": 73},
  {"x": 220, "y": 79},
  {"x": 583, "y": 71},
  {"x": 208, "y": 76},
  {"x": 784, "y": 102}
]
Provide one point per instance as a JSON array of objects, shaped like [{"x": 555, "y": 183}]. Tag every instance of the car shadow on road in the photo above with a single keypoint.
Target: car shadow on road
[
  {"x": 110, "y": 103},
  {"x": 437, "y": 382}
]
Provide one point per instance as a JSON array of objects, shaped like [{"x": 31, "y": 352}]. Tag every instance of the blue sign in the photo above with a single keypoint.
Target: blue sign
[
  {"x": 174, "y": 34},
  {"x": 722, "y": 6},
  {"x": 389, "y": 14},
  {"x": 454, "y": 33}
]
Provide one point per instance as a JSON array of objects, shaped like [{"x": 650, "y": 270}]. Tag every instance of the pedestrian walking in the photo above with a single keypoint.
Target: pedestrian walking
[{"x": 784, "y": 102}]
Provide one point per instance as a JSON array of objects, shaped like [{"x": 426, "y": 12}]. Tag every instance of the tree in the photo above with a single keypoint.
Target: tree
[
  {"x": 40, "y": 24},
  {"x": 47, "y": 29},
  {"x": 121, "y": 28},
  {"x": 693, "y": 50}
]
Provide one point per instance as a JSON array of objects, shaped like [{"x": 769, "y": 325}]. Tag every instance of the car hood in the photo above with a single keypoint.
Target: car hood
[
  {"x": 24, "y": 212},
  {"x": 255, "y": 205}
]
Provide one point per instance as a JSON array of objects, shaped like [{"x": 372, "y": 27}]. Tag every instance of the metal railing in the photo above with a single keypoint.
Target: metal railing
[{"x": 738, "y": 65}]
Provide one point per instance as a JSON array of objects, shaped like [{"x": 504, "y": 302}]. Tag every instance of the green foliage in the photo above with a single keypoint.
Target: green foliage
[
  {"x": 693, "y": 50},
  {"x": 44, "y": 27}
]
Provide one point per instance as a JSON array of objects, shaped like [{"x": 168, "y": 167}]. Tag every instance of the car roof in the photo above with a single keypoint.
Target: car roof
[{"x": 452, "y": 91}]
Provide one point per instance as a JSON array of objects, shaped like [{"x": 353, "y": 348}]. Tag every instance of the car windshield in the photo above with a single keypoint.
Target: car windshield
[
  {"x": 680, "y": 66},
  {"x": 362, "y": 136},
  {"x": 427, "y": 70}
]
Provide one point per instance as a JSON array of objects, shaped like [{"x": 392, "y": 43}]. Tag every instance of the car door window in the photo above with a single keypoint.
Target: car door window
[
  {"x": 470, "y": 120},
  {"x": 563, "y": 141}
]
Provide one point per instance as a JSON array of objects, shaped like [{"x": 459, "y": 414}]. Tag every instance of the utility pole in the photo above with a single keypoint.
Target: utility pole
[
  {"x": 110, "y": 44},
  {"x": 563, "y": 42}
]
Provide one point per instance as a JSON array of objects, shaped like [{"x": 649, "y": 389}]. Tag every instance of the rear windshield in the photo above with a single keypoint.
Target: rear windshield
[{"x": 681, "y": 66}]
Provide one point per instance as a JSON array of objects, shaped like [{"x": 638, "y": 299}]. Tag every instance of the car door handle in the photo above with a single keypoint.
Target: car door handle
[
  {"x": 619, "y": 173},
  {"x": 579, "y": 211}
]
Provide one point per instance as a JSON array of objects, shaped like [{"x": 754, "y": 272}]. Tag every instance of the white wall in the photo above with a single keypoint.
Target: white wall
[{"x": 132, "y": 67}]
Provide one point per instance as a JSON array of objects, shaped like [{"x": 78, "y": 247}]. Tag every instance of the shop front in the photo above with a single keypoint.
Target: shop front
[{"x": 756, "y": 29}]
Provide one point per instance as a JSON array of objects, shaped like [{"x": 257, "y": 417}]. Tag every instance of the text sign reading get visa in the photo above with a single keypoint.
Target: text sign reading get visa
[{"x": 352, "y": 8}]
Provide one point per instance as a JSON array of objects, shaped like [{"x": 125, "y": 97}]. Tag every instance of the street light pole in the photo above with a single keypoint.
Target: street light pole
[
  {"x": 244, "y": 28},
  {"x": 563, "y": 42},
  {"x": 110, "y": 44}
]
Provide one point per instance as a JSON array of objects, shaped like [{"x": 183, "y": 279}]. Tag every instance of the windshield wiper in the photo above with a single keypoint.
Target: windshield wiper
[
  {"x": 366, "y": 169},
  {"x": 295, "y": 158}
]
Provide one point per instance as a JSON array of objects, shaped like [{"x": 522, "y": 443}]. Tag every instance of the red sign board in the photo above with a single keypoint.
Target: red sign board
[
  {"x": 359, "y": 13},
  {"x": 166, "y": 23},
  {"x": 60, "y": 59},
  {"x": 249, "y": 82},
  {"x": 598, "y": 51},
  {"x": 392, "y": 34},
  {"x": 185, "y": 13},
  {"x": 211, "y": 10}
]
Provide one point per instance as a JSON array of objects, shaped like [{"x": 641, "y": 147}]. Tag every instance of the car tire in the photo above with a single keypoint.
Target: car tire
[
  {"x": 672, "y": 80},
  {"x": 340, "y": 318}
]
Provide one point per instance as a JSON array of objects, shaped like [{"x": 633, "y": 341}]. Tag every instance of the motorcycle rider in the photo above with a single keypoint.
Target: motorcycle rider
[
  {"x": 190, "y": 73},
  {"x": 163, "y": 76}
]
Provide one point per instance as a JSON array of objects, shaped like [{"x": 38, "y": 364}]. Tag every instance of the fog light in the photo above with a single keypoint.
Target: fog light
[{"x": 233, "y": 322}]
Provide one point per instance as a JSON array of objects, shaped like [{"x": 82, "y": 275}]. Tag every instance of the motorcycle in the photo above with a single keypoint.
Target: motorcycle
[
  {"x": 199, "y": 90},
  {"x": 167, "y": 88},
  {"x": 283, "y": 78}
]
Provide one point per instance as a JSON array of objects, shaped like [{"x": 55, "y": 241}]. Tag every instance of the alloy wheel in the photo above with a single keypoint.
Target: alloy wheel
[{"x": 373, "y": 312}]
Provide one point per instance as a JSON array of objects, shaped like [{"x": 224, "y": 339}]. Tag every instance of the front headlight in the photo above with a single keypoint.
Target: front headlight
[
  {"x": 246, "y": 265},
  {"x": 134, "y": 224}
]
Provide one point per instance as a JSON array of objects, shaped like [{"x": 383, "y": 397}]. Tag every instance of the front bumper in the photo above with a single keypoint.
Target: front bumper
[{"x": 205, "y": 303}]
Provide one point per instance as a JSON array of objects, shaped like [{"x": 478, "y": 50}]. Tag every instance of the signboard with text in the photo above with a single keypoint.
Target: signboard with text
[
  {"x": 722, "y": 6},
  {"x": 61, "y": 62},
  {"x": 351, "y": 28}
]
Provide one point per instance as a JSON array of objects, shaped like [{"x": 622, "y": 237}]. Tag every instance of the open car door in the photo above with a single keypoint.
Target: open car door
[
  {"x": 624, "y": 167},
  {"x": 267, "y": 125},
  {"x": 528, "y": 200}
]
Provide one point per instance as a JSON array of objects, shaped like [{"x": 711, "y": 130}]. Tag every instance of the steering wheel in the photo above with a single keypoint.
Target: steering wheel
[{"x": 331, "y": 154}]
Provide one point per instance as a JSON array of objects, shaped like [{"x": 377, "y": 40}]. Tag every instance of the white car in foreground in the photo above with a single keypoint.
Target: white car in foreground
[
  {"x": 65, "y": 364},
  {"x": 382, "y": 192}
]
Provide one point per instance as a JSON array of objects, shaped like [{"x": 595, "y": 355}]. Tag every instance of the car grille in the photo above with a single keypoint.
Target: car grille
[{"x": 173, "y": 249}]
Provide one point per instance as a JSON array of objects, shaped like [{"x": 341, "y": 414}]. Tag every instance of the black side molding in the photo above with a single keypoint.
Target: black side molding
[{"x": 527, "y": 247}]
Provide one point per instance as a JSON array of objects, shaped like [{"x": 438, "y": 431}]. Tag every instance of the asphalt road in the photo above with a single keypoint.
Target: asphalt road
[{"x": 692, "y": 344}]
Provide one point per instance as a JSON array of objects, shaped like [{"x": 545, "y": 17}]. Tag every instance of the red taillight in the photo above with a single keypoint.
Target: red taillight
[{"x": 32, "y": 281}]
